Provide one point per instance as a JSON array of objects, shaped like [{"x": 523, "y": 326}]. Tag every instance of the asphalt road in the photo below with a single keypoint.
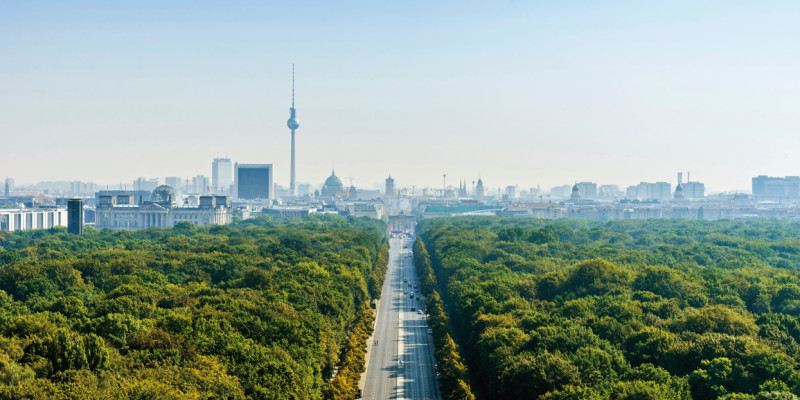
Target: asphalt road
[{"x": 401, "y": 362}]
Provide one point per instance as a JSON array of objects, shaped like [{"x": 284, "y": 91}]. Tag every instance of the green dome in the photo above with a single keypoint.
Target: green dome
[
  {"x": 333, "y": 187},
  {"x": 333, "y": 182}
]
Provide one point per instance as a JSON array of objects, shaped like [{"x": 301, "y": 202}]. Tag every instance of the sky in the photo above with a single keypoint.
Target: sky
[{"x": 520, "y": 93}]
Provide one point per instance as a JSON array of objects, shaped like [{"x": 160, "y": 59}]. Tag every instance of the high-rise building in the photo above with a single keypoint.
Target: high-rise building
[
  {"x": 776, "y": 189},
  {"x": 201, "y": 185},
  {"x": 562, "y": 191},
  {"x": 293, "y": 125},
  {"x": 588, "y": 190},
  {"x": 253, "y": 181},
  {"x": 610, "y": 192},
  {"x": 221, "y": 175},
  {"x": 693, "y": 190},
  {"x": 305, "y": 189},
  {"x": 511, "y": 192},
  {"x": 75, "y": 216},
  {"x": 390, "y": 191},
  {"x": 145, "y": 184},
  {"x": 174, "y": 181}
]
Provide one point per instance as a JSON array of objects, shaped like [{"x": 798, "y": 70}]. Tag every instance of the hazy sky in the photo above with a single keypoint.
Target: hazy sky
[{"x": 522, "y": 92}]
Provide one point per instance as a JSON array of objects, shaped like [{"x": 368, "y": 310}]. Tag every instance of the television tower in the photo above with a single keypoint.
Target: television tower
[{"x": 293, "y": 125}]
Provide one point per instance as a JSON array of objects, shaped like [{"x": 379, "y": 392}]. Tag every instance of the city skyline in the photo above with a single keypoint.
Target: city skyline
[{"x": 522, "y": 94}]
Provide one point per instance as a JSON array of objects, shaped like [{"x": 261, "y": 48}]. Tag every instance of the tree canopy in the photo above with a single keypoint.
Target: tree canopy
[
  {"x": 653, "y": 309},
  {"x": 263, "y": 309}
]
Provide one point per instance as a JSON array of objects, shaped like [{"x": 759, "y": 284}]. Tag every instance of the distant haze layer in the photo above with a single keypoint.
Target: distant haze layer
[{"x": 520, "y": 93}]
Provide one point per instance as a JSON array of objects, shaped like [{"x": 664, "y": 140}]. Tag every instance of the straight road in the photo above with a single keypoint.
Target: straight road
[{"x": 401, "y": 364}]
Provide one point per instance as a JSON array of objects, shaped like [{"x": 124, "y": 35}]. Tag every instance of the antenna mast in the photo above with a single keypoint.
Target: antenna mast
[{"x": 292, "y": 85}]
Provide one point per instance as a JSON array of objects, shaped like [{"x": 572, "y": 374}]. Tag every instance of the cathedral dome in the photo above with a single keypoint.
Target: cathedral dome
[
  {"x": 163, "y": 193},
  {"x": 333, "y": 186},
  {"x": 333, "y": 182}
]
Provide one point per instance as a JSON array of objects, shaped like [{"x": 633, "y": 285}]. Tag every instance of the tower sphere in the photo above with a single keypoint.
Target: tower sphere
[{"x": 292, "y": 123}]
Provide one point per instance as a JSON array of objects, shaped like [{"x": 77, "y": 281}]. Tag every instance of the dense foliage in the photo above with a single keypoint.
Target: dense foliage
[
  {"x": 261, "y": 310},
  {"x": 453, "y": 379},
  {"x": 657, "y": 309}
]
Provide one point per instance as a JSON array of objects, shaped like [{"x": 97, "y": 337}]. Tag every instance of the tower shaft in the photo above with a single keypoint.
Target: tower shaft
[{"x": 292, "y": 187}]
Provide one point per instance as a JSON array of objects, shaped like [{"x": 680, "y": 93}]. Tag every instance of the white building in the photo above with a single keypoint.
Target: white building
[
  {"x": 145, "y": 184},
  {"x": 661, "y": 191},
  {"x": 693, "y": 190},
  {"x": 121, "y": 212},
  {"x": 222, "y": 176},
  {"x": 511, "y": 192},
  {"x": 32, "y": 218},
  {"x": 588, "y": 190}
]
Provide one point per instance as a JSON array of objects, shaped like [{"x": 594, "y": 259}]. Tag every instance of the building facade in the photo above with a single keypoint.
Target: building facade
[
  {"x": 32, "y": 218},
  {"x": 75, "y": 216},
  {"x": 768, "y": 188},
  {"x": 119, "y": 212},
  {"x": 253, "y": 181},
  {"x": 588, "y": 190},
  {"x": 221, "y": 176}
]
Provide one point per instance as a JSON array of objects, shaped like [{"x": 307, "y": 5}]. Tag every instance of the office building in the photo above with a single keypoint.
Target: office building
[
  {"x": 221, "y": 176},
  {"x": 78, "y": 188},
  {"x": 32, "y": 218},
  {"x": 9, "y": 186},
  {"x": 75, "y": 216},
  {"x": 693, "y": 190},
  {"x": 174, "y": 181},
  {"x": 563, "y": 191},
  {"x": 144, "y": 184},
  {"x": 511, "y": 192},
  {"x": 253, "y": 181},
  {"x": 201, "y": 185},
  {"x": 588, "y": 190},
  {"x": 658, "y": 191},
  {"x": 305, "y": 189},
  {"x": 610, "y": 192},
  {"x": 768, "y": 188}
]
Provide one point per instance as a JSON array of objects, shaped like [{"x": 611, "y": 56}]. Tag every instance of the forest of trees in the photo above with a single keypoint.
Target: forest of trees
[
  {"x": 655, "y": 309},
  {"x": 263, "y": 309}
]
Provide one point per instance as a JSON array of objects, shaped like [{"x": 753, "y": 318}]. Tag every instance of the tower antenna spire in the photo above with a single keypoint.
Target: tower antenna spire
[{"x": 292, "y": 85}]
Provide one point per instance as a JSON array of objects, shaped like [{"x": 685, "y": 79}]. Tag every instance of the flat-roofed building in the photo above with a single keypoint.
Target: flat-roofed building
[
  {"x": 21, "y": 219},
  {"x": 253, "y": 181}
]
